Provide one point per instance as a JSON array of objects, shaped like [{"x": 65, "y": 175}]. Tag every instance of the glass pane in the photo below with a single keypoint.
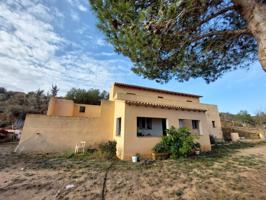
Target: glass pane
[
  {"x": 149, "y": 123},
  {"x": 181, "y": 123}
]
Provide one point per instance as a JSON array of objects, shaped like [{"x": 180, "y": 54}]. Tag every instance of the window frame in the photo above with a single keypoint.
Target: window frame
[
  {"x": 82, "y": 109},
  {"x": 181, "y": 121},
  {"x": 213, "y": 124},
  {"x": 118, "y": 126},
  {"x": 195, "y": 124},
  {"x": 144, "y": 123}
]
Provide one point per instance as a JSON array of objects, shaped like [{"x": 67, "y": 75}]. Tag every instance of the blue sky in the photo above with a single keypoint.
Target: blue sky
[{"x": 57, "y": 42}]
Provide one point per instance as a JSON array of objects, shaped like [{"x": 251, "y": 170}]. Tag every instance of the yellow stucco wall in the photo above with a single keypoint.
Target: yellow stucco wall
[
  {"x": 119, "y": 112},
  {"x": 60, "y": 133},
  {"x": 212, "y": 114},
  {"x": 51, "y": 106},
  {"x": 90, "y": 110},
  {"x": 144, "y": 145},
  {"x": 60, "y": 107},
  {"x": 115, "y": 90},
  {"x": 67, "y": 108}
]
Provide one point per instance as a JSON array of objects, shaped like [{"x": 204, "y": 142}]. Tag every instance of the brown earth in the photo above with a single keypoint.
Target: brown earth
[{"x": 225, "y": 175}]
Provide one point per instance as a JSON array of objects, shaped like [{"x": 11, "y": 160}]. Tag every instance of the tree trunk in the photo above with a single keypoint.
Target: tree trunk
[{"x": 254, "y": 13}]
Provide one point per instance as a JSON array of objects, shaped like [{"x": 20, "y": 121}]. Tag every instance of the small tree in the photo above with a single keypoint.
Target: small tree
[
  {"x": 2, "y": 90},
  {"x": 179, "y": 143},
  {"x": 54, "y": 90},
  {"x": 260, "y": 118},
  {"x": 108, "y": 150},
  {"x": 15, "y": 105},
  {"x": 91, "y": 96},
  {"x": 244, "y": 117}
]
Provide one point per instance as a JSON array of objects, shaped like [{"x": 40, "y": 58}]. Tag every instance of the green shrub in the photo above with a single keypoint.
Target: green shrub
[
  {"x": 212, "y": 139},
  {"x": 160, "y": 148},
  {"x": 179, "y": 143},
  {"x": 196, "y": 146},
  {"x": 108, "y": 150}
]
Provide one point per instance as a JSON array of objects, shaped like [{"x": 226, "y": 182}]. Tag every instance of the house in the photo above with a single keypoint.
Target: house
[{"x": 134, "y": 116}]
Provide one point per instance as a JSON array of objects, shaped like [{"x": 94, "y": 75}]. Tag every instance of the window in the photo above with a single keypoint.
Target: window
[
  {"x": 82, "y": 109},
  {"x": 213, "y": 124},
  {"x": 144, "y": 123},
  {"x": 189, "y": 101},
  {"x": 160, "y": 97},
  {"x": 181, "y": 123},
  {"x": 118, "y": 126},
  {"x": 195, "y": 124}
]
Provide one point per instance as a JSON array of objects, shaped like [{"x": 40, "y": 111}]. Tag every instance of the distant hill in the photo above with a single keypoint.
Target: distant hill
[
  {"x": 244, "y": 119},
  {"x": 15, "y": 105}
]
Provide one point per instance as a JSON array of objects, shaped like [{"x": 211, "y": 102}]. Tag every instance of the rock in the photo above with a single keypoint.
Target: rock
[
  {"x": 235, "y": 137},
  {"x": 70, "y": 186}
]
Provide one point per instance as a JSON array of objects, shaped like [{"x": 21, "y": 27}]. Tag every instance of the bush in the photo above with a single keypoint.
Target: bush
[
  {"x": 108, "y": 150},
  {"x": 227, "y": 134},
  {"x": 4, "y": 124},
  {"x": 196, "y": 146},
  {"x": 212, "y": 139},
  {"x": 179, "y": 143},
  {"x": 160, "y": 148}
]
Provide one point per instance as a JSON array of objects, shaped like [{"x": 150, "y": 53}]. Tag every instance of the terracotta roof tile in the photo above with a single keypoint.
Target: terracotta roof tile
[{"x": 156, "y": 105}]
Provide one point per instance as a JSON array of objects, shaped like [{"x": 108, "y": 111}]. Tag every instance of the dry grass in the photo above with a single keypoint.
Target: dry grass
[{"x": 223, "y": 174}]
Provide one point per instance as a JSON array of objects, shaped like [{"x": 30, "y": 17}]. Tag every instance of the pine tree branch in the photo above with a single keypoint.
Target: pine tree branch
[
  {"x": 226, "y": 32},
  {"x": 217, "y": 14},
  {"x": 212, "y": 16}
]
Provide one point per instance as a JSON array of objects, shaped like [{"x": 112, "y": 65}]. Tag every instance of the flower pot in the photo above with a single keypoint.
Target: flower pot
[
  {"x": 135, "y": 159},
  {"x": 160, "y": 156}
]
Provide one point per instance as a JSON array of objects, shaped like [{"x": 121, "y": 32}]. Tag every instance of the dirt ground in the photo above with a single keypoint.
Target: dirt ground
[{"x": 237, "y": 175}]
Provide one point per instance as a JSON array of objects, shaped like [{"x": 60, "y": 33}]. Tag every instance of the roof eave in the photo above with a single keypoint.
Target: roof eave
[
  {"x": 156, "y": 90},
  {"x": 163, "y": 106}
]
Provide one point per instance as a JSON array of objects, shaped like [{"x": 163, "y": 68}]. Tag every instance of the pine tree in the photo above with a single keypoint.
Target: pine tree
[{"x": 185, "y": 39}]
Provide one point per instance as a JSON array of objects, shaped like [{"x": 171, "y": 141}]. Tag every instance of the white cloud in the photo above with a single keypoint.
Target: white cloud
[
  {"x": 101, "y": 42},
  {"x": 82, "y": 8},
  {"x": 74, "y": 16},
  {"x": 78, "y": 4},
  {"x": 107, "y": 54},
  {"x": 58, "y": 14},
  {"x": 29, "y": 56},
  {"x": 84, "y": 31}
]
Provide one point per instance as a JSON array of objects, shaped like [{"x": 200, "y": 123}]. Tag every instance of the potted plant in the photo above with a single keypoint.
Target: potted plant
[
  {"x": 135, "y": 158},
  {"x": 160, "y": 151},
  {"x": 197, "y": 148}
]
